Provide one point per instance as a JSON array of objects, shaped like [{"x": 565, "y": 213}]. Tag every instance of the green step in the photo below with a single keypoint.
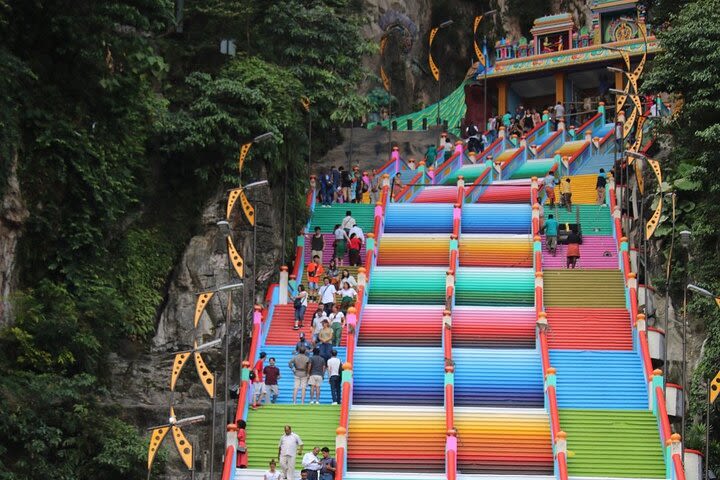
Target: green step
[
  {"x": 407, "y": 286},
  {"x": 595, "y": 219},
  {"x": 533, "y": 168},
  {"x": 327, "y": 217},
  {"x": 583, "y": 288},
  {"x": 495, "y": 286},
  {"x": 470, "y": 173},
  {"x": 315, "y": 424},
  {"x": 613, "y": 443}
]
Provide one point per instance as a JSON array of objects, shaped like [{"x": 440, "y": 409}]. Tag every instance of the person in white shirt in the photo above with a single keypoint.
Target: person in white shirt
[
  {"x": 347, "y": 222},
  {"x": 337, "y": 320},
  {"x": 311, "y": 463},
  {"x": 317, "y": 320},
  {"x": 334, "y": 365},
  {"x": 347, "y": 295},
  {"x": 327, "y": 295},
  {"x": 288, "y": 448},
  {"x": 272, "y": 474},
  {"x": 357, "y": 231},
  {"x": 346, "y": 277}
]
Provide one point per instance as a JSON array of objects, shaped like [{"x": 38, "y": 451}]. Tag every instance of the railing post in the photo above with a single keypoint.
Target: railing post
[
  {"x": 431, "y": 174},
  {"x": 539, "y": 291},
  {"x": 601, "y": 111},
  {"x": 545, "y": 118},
  {"x": 537, "y": 253},
  {"x": 340, "y": 449},
  {"x": 536, "y": 219},
  {"x": 283, "y": 293},
  {"x": 395, "y": 156},
  {"x": 501, "y": 132},
  {"x": 362, "y": 275}
]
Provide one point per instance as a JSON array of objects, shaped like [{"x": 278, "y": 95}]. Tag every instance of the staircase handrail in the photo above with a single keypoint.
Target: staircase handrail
[
  {"x": 576, "y": 160},
  {"x": 590, "y": 122},
  {"x": 673, "y": 460},
  {"x": 532, "y": 134},
  {"x": 478, "y": 187},
  {"x": 407, "y": 189},
  {"x": 505, "y": 167},
  {"x": 353, "y": 327},
  {"x": 558, "y": 134},
  {"x": 455, "y": 160}
]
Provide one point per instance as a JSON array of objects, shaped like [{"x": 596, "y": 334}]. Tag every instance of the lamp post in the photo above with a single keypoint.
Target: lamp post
[
  {"x": 433, "y": 67},
  {"x": 158, "y": 433},
  {"x": 685, "y": 241},
  {"x": 478, "y": 19}
]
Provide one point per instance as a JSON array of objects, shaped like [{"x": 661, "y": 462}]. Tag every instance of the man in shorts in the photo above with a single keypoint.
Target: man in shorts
[
  {"x": 299, "y": 365},
  {"x": 258, "y": 382},
  {"x": 272, "y": 375},
  {"x": 316, "y": 371}
]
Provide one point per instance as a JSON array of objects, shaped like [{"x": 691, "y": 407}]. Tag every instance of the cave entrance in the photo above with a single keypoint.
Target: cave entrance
[{"x": 475, "y": 104}]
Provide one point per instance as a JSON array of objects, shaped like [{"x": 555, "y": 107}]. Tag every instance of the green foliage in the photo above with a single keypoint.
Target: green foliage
[
  {"x": 687, "y": 67},
  {"x": 53, "y": 427}
]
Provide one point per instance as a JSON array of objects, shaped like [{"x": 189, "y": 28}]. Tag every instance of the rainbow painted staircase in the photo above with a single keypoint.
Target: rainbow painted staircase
[{"x": 472, "y": 352}]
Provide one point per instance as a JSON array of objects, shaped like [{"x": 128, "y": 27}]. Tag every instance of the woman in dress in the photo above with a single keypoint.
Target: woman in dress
[{"x": 341, "y": 239}]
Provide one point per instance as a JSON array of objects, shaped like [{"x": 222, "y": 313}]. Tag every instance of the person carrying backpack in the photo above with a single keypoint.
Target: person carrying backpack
[{"x": 300, "y": 302}]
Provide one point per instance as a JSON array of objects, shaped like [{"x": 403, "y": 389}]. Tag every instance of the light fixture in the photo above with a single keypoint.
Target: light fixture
[
  {"x": 446, "y": 23},
  {"x": 615, "y": 69},
  {"x": 208, "y": 345},
  {"x": 221, "y": 288},
  {"x": 263, "y": 137},
  {"x": 685, "y": 237},
  {"x": 255, "y": 184},
  {"x": 174, "y": 422},
  {"x": 700, "y": 291},
  {"x": 615, "y": 91},
  {"x": 636, "y": 155}
]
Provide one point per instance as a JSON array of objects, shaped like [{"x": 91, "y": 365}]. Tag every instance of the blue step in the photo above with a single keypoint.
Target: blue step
[
  {"x": 419, "y": 218},
  {"x": 399, "y": 376},
  {"x": 282, "y": 356},
  {"x": 498, "y": 377},
  {"x": 599, "y": 379}
]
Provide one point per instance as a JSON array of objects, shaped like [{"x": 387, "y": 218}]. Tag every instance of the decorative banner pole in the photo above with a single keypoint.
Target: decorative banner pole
[
  {"x": 183, "y": 446},
  {"x": 433, "y": 67}
]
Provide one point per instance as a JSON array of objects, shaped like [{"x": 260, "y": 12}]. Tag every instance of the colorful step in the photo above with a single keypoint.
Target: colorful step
[
  {"x": 470, "y": 173},
  {"x": 407, "y": 286},
  {"x": 582, "y": 188},
  {"x": 496, "y": 251},
  {"x": 493, "y": 327},
  {"x": 419, "y": 218},
  {"x": 534, "y": 168},
  {"x": 414, "y": 249},
  {"x": 493, "y": 377},
  {"x": 496, "y": 218},
  {"x": 328, "y": 251},
  {"x": 398, "y": 376},
  {"x": 504, "y": 441},
  {"x": 388, "y": 325},
  {"x": 438, "y": 194},
  {"x": 582, "y": 328},
  {"x": 396, "y": 438},
  {"x": 283, "y": 355},
  {"x": 583, "y": 288},
  {"x": 598, "y": 379},
  {"x": 507, "y": 193},
  {"x": 281, "y": 327},
  {"x": 613, "y": 443},
  {"x": 595, "y": 252},
  {"x": 314, "y": 424},
  {"x": 594, "y": 219},
  {"x": 495, "y": 286},
  {"x": 327, "y": 217}
]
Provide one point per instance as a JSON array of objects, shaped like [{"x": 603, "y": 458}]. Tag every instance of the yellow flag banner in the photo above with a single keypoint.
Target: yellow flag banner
[
  {"x": 655, "y": 219},
  {"x": 233, "y": 195},
  {"x": 478, "y": 52},
  {"x": 715, "y": 382},
  {"x": 183, "y": 446},
  {"x": 433, "y": 68},
  {"x": 178, "y": 363},
  {"x": 244, "y": 149},
  {"x": 156, "y": 437}
]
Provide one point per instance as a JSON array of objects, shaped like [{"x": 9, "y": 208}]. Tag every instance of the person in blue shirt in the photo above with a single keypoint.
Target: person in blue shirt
[
  {"x": 549, "y": 184},
  {"x": 551, "y": 234}
]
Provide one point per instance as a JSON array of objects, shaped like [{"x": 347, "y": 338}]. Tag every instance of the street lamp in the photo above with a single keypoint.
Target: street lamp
[
  {"x": 685, "y": 238},
  {"x": 184, "y": 448},
  {"x": 433, "y": 67}
]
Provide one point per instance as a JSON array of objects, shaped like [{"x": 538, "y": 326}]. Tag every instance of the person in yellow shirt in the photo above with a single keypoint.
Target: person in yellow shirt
[{"x": 566, "y": 194}]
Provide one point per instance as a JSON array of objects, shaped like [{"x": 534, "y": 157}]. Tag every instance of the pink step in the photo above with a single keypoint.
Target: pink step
[
  {"x": 595, "y": 252},
  {"x": 328, "y": 251}
]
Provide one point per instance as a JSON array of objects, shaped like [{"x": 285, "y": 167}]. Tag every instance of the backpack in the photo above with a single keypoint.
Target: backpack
[{"x": 297, "y": 303}]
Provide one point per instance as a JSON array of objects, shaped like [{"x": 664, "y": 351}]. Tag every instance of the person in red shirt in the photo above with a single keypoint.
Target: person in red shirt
[
  {"x": 272, "y": 375},
  {"x": 354, "y": 245},
  {"x": 315, "y": 272},
  {"x": 258, "y": 383}
]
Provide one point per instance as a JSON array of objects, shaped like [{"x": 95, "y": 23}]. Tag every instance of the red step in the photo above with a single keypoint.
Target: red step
[
  {"x": 493, "y": 327},
  {"x": 391, "y": 325},
  {"x": 589, "y": 328},
  {"x": 281, "y": 329}
]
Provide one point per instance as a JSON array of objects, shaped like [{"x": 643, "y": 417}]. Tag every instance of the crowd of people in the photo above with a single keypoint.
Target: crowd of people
[{"x": 339, "y": 185}]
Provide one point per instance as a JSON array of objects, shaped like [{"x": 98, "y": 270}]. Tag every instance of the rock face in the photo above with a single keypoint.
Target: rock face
[{"x": 12, "y": 216}]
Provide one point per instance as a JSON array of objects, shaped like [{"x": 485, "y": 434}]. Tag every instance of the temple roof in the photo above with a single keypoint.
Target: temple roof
[
  {"x": 553, "y": 23},
  {"x": 604, "y": 5}
]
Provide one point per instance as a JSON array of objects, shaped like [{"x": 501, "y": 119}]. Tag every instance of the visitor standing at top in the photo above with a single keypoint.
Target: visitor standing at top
[
  {"x": 507, "y": 119},
  {"x": 448, "y": 147},
  {"x": 559, "y": 112},
  {"x": 345, "y": 182},
  {"x": 396, "y": 187}
]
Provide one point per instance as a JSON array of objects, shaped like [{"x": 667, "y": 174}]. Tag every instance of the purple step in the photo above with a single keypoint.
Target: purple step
[
  {"x": 595, "y": 252},
  {"x": 328, "y": 251}
]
